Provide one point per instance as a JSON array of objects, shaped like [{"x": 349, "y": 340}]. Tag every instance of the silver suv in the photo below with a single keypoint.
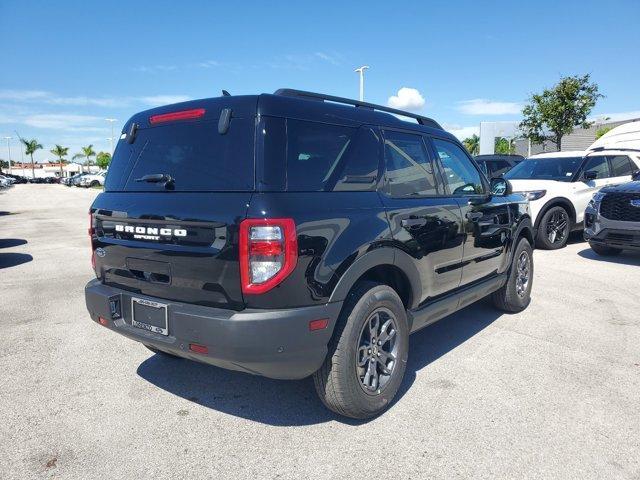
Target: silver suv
[{"x": 612, "y": 218}]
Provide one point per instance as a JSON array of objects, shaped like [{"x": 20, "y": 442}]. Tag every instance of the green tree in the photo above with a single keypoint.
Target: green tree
[
  {"x": 60, "y": 152},
  {"x": 503, "y": 146},
  {"x": 86, "y": 153},
  {"x": 30, "y": 147},
  {"x": 555, "y": 112},
  {"x": 3, "y": 164},
  {"x": 472, "y": 144},
  {"x": 103, "y": 159},
  {"x": 601, "y": 131}
]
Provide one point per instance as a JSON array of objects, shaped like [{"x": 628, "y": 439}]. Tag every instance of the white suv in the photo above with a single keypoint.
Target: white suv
[
  {"x": 559, "y": 186},
  {"x": 92, "y": 180}
]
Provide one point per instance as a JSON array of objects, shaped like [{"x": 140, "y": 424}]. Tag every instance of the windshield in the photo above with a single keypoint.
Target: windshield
[{"x": 559, "y": 169}]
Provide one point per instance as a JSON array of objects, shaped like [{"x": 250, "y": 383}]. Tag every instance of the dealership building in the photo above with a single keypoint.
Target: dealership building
[{"x": 579, "y": 139}]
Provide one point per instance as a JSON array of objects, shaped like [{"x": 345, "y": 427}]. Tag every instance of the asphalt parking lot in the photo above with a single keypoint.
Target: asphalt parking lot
[{"x": 553, "y": 392}]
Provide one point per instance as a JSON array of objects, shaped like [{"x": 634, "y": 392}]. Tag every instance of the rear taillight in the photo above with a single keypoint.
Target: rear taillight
[
  {"x": 268, "y": 253},
  {"x": 90, "y": 231}
]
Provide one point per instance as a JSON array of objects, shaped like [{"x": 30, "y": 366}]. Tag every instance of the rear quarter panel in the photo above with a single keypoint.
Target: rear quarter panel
[{"x": 334, "y": 229}]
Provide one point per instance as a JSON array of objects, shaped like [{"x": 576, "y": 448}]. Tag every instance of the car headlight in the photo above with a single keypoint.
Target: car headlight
[
  {"x": 534, "y": 194},
  {"x": 596, "y": 200}
]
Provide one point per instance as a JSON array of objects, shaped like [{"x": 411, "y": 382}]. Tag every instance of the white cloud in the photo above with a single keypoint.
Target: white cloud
[
  {"x": 461, "y": 132},
  {"x": 69, "y": 122},
  {"x": 332, "y": 59},
  {"x": 22, "y": 95},
  {"x": 408, "y": 99},
  {"x": 157, "y": 100},
  {"x": 481, "y": 106},
  {"x": 154, "y": 68},
  {"x": 208, "y": 64},
  {"x": 616, "y": 117}
]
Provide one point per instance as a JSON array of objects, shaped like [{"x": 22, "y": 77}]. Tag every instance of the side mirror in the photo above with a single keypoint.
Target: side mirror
[
  {"x": 501, "y": 187},
  {"x": 590, "y": 175},
  {"x": 635, "y": 176}
]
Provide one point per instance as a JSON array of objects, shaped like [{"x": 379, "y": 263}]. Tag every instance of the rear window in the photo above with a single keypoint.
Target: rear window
[
  {"x": 319, "y": 157},
  {"x": 194, "y": 154}
]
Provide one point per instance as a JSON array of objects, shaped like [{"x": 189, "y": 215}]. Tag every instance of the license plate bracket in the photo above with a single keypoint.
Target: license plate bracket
[{"x": 149, "y": 315}]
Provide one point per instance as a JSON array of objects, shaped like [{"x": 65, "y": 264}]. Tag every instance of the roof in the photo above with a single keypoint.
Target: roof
[
  {"x": 626, "y": 136},
  {"x": 303, "y": 106},
  {"x": 570, "y": 153}
]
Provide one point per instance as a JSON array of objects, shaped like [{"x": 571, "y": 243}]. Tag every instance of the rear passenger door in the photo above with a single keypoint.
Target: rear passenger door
[
  {"x": 486, "y": 218},
  {"x": 426, "y": 223},
  {"x": 621, "y": 169}
]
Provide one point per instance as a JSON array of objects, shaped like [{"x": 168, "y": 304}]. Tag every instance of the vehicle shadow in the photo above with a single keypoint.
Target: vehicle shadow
[
  {"x": 575, "y": 237},
  {"x": 14, "y": 259},
  {"x": 625, "y": 258},
  {"x": 289, "y": 403},
  {"x": 11, "y": 242}
]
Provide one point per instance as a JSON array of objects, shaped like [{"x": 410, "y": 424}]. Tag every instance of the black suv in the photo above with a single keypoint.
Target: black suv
[
  {"x": 299, "y": 234},
  {"x": 495, "y": 165}
]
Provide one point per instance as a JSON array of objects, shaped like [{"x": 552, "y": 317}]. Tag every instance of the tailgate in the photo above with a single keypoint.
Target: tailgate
[{"x": 180, "y": 246}]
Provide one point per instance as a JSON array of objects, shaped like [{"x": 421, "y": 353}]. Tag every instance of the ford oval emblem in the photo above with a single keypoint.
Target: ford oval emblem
[
  {"x": 100, "y": 252},
  {"x": 635, "y": 203}
]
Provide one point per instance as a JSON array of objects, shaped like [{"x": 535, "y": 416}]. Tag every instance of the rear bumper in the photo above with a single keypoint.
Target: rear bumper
[{"x": 272, "y": 343}]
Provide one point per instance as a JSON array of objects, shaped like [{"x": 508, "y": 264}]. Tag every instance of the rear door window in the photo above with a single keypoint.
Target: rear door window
[
  {"x": 194, "y": 154},
  {"x": 620, "y": 166},
  {"x": 409, "y": 170}
]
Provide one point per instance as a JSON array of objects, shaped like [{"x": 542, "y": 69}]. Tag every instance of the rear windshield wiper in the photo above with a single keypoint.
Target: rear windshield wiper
[{"x": 158, "y": 178}]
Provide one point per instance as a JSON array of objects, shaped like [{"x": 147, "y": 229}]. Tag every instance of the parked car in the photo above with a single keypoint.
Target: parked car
[
  {"x": 16, "y": 178},
  {"x": 291, "y": 235},
  {"x": 496, "y": 165},
  {"x": 5, "y": 182},
  {"x": 559, "y": 186},
  {"x": 92, "y": 180},
  {"x": 612, "y": 218},
  {"x": 75, "y": 180}
]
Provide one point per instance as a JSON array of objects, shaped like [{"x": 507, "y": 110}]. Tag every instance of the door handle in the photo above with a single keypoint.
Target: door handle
[
  {"x": 474, "y": 216},
  {"x": 413, "y": 222}
]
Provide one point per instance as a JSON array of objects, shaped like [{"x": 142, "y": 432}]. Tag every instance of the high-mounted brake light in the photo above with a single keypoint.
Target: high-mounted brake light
[
  {"x": 175, "y": 116},
  {"x": 268, "y": 253}
]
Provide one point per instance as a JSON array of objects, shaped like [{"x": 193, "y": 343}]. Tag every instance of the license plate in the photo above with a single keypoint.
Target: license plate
[{"x": 148, "y": 315}]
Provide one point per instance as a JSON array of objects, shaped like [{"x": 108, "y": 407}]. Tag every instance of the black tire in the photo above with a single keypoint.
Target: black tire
[
  {"x": 515, "y": 295},
  {"x": 95, "y": 183},
  {"x": 557, "y": 220},
  {"x": 160, "y": 352},
  {"x": 338, "y": 381},
  {"x": 604, "y": 250}
]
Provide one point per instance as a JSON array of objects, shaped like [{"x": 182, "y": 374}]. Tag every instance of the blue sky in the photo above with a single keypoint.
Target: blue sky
[{"x": 66, "y": 66}]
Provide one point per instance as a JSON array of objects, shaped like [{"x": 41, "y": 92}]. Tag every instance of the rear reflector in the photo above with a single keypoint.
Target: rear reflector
[
  {"x": 175, "y": 116},
  {"x": 318, "y": 324},
  {"x": 194, "y": 347},
  {"x": 103, "y": 321}
]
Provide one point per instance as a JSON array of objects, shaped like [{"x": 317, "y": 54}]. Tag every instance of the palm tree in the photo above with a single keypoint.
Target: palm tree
[
  {"x": 60, "y": 152},
  {"x": 87, "y": 152},
  {"x": 472, "y": 144},
  {"x": 30, "y": 147}
]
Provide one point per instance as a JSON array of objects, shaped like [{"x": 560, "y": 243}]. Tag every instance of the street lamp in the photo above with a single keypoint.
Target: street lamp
[
  {"x": 361, "y": 70},
  {"x": 9, "y": 149},
  {"x": 111, "y": 121}
]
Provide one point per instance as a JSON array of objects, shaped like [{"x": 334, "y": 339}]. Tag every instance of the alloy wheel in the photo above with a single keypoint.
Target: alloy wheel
[
  {"x": 558, "y": 227},
  {"x": 523, "y": 269},
  {"x": 377, "y": 351}
]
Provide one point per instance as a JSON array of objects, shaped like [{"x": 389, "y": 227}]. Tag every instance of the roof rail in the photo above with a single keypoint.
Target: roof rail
[{"x": 288, "y": 92}]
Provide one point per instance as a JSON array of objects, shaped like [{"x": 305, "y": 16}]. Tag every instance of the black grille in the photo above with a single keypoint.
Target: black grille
[{"x": 617, "y": 206}]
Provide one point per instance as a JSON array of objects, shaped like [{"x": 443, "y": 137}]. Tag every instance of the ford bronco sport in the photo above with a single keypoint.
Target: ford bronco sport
[{"x": 299, "y": 234}]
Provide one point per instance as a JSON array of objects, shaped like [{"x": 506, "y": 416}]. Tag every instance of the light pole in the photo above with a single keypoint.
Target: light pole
[
  {"x": 9, "y": 150},
  {"x": 111, "y": 121},
  {"x": 361, "y": 70}
]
